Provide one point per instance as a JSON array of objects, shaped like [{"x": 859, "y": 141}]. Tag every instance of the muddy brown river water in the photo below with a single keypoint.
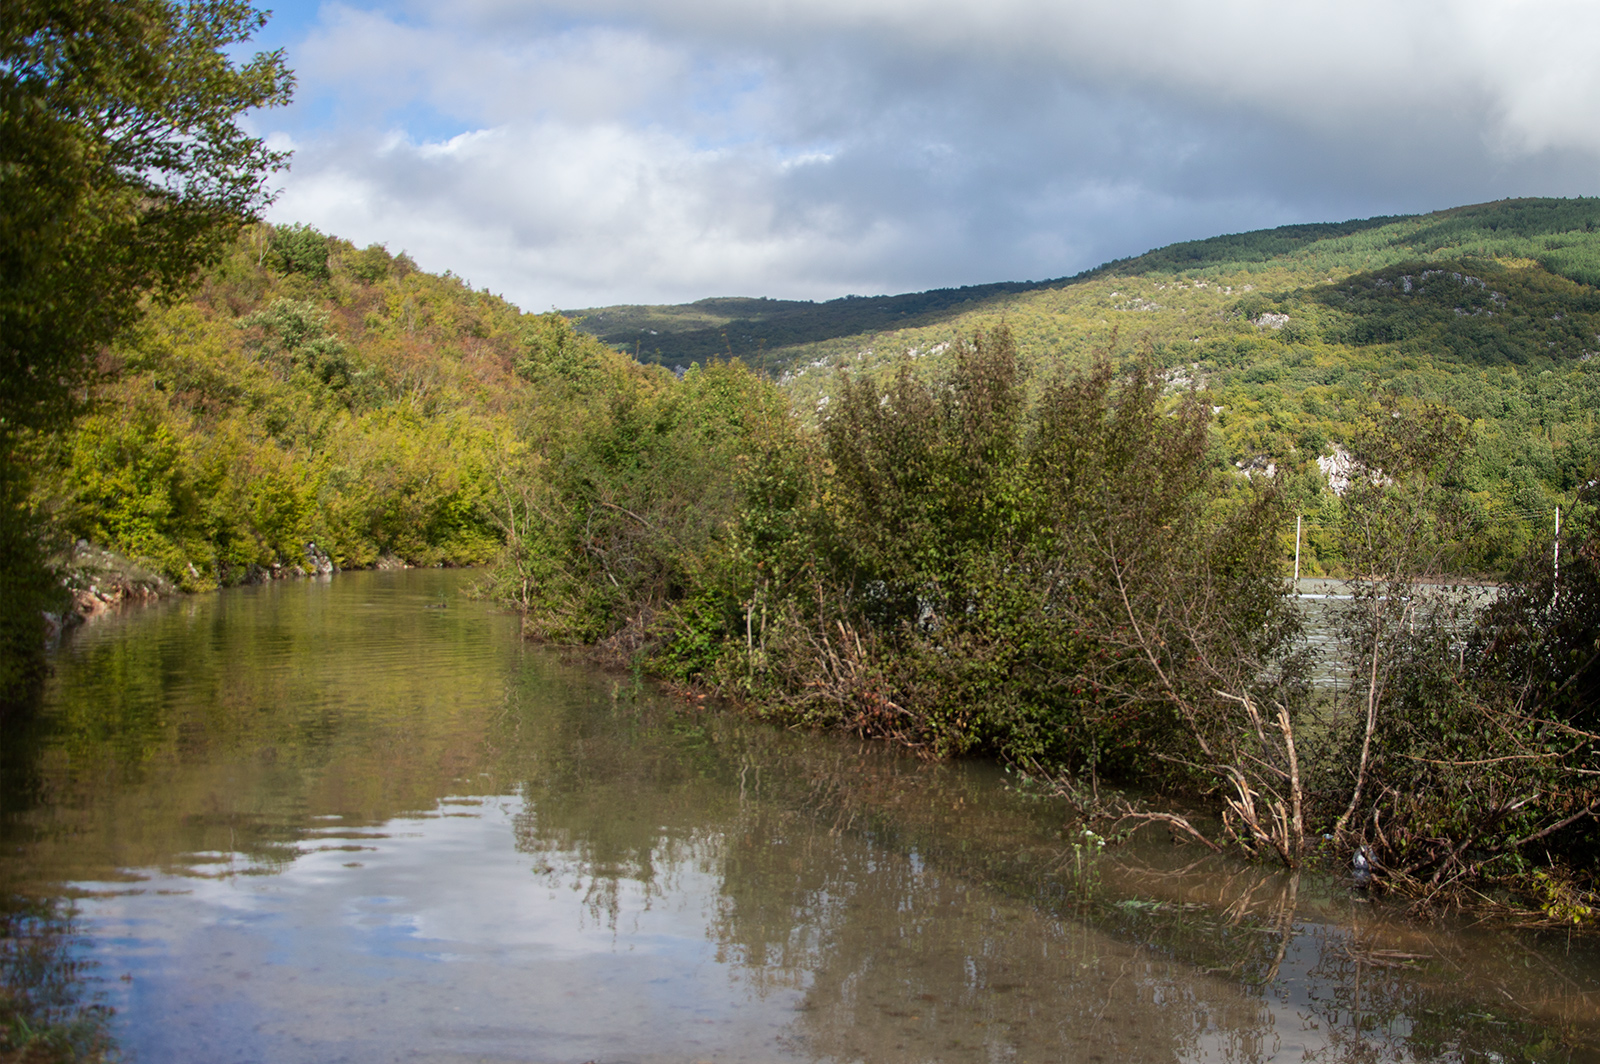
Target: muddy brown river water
[{"x": 359, "y": 820}]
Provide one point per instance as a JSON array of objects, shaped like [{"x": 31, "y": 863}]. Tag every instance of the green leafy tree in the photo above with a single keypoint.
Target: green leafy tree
[
  {"x": 1403, "y": 523},
  {"x": 124, "y": 167},
  {"x": 300, "y": 249},
  {"x": 1063, "y": 582}
]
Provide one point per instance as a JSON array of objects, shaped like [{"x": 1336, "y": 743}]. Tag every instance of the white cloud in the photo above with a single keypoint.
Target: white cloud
[
  {"x": 630, "y": 151},
  {"x": 583, "y": 73},
  {"x": 556, "y": 214}
]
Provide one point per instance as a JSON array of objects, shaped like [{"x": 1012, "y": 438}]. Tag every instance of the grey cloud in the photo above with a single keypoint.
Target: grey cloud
[
  {"x": 1524, "y": 67},
  {"x": 640, "y": 152}
]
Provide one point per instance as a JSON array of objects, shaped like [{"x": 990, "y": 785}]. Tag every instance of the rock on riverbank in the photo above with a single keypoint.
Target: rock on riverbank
[{"x": 95, "y": 580}]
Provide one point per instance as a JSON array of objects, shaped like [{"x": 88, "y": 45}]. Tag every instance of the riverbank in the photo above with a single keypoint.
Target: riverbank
[
  {"x": 95, "y": 580},
  {"x": 325, "y": 819},
  {"x": 1533, "y": 896}
]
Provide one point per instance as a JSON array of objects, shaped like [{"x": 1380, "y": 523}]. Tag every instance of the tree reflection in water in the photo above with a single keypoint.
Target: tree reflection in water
[
  {"x": 927, "y": 913},
  {"x": 905, "y": 910}
]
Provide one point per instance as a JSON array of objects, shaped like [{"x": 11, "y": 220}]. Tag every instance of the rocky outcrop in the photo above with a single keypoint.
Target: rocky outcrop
[
  {"x": 96, "y": 580},
  {"x": 1338, "y": 467}
]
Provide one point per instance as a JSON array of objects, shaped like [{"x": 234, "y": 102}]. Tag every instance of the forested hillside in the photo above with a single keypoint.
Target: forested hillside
[
  {"x": 1052, "y": 529},
  {"x": 307, "y": 393},
  {"x": 312, "y": 392},
  {"x": 1488, "y": 310},
  {"x": 774, "y": 333}
]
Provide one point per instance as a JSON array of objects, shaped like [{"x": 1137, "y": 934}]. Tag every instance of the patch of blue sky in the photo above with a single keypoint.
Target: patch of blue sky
[
  {"x": 288, "y": 23},
  {"x": 420, "y": 123},
  {"x": 322, "y": 113}
]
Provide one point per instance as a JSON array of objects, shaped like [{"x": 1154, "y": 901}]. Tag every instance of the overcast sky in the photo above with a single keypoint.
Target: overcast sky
[{"x": 650, "y": 151}]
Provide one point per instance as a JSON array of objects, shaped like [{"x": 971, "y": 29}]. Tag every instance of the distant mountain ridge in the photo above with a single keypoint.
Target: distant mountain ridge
[
  {"x": 734, "y": 325},
  {"x": 1557, "y": 234}
]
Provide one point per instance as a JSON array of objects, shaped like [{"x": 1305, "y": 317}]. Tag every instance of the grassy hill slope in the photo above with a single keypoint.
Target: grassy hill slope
[{"x": 1489, "y": 310}]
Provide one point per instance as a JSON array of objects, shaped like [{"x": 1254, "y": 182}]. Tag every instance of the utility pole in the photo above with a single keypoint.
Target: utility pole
[
  {"x": 1555, "y": 572},
  {"x": 1297, "y": 547}
]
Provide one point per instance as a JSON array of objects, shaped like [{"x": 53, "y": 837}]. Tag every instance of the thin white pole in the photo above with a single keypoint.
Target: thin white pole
[
  {"x": 1297, "y": 551},
  {"x": 1555, "y": 572}
]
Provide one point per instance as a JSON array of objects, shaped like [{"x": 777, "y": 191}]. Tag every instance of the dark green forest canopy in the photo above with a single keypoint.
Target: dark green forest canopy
[{"x": 1475, "y": 311}]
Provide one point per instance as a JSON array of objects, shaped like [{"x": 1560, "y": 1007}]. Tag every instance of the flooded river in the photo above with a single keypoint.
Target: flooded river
[{"x": 359, "y": 820}]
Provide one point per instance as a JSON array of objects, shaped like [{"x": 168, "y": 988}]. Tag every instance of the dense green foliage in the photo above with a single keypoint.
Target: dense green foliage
[
  {"x": 1464, "y": 742},
  {"x": 1065, "y": 573},
  {"x": 1486, "y": 310},
  {"x": 359, "y": 405},
  {"x": 948, "y": 562},
  {"x": 622, "y": 506},
  {"x": 124, "y": 166}
]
